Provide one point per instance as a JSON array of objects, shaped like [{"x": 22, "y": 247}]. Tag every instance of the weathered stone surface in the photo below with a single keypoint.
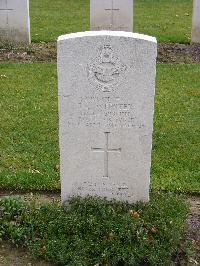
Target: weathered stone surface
[
  {"x": 14, "y": 21},
  {"x": 111, "y": 15},
  {"x": 106, "y": 105},
  {"x": 196, "y": 22}
]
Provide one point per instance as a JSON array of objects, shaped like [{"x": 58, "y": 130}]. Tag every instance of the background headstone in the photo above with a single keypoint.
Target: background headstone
[
  {"x": 196, "y": 21},
  {"x": 14, "y": 21},
  {"x": 111, "y": 15},
  {"x": 106, "y": 105}
]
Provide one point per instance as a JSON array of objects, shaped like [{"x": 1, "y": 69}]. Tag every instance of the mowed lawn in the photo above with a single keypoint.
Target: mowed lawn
[
  {"x": 168, "y": 20},
  {"x": 29, "y": 128}
]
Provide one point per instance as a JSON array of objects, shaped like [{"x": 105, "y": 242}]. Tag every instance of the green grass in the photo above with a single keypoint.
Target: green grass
[
  {"x": 50, "y": 18},
  {"x": 176, "y": 145},
  {"x": 93, "y": 231},
  {"x": 168, "y": 20},
  {"x": 29, "y": 128}
]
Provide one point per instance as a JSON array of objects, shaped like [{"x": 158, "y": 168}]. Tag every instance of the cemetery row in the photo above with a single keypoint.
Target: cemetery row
[
  {"x": 110, "y": 15},
  {"x": 106, "y": 98}
]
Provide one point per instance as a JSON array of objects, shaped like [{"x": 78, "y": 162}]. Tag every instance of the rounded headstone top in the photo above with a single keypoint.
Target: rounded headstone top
[{"x": 107, "y": 33}]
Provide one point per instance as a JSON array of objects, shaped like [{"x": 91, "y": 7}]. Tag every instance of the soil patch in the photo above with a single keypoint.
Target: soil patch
[
  {"x": 35, "y": 52},
  {"x": 193, "y": 232},
  {"x": 38, "y": 197},
  {"x": 175, "y": 53},
  {"x": 168, "y": 53},
  {"x": 12, "y": 256}
]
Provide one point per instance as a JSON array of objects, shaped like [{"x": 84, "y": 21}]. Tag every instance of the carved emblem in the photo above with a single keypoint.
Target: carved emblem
[{"x": 106, "y": 70}]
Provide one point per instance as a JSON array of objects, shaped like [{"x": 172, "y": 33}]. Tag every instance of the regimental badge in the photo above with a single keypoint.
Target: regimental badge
[{"x": 106, "y": 70}]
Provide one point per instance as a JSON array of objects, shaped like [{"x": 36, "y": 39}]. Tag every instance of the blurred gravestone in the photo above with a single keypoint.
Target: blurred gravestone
[
  {"x": 196, "y": 22},
  {"x": 111, "y": 15},
  {"x": 14, "y": 21}
]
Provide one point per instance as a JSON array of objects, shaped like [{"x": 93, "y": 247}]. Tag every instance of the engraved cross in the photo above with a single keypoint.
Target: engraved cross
[
  {"x": 6, "y": 9},
  {"x": 106, "y": 151},
  {"x": 112, "y": 9}
]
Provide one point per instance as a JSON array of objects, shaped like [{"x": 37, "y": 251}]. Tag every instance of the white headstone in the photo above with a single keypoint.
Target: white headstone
[
  {"x": 111, "y": 15},
  {"x": 196, "y": 22},
  {"x": 14, "y": 21},
  {"x": 106, "y": 105}
]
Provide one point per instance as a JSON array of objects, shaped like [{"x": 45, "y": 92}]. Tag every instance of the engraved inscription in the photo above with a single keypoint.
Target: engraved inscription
[
  {"x": 106, "y": 70},
  {"x": 106, "y": 186},
  {"x": 106, "y": 151},
  {"x": 97, "y": 111}
]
